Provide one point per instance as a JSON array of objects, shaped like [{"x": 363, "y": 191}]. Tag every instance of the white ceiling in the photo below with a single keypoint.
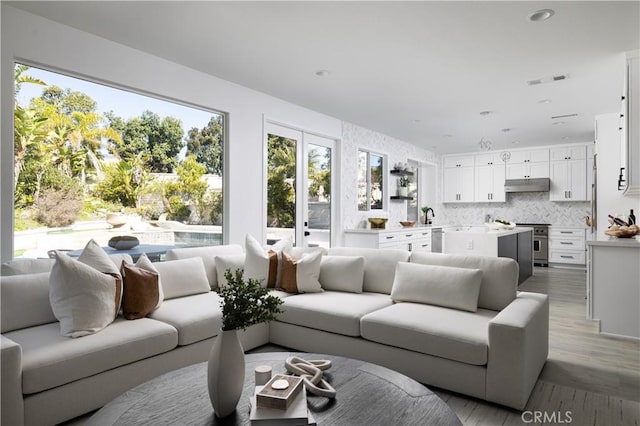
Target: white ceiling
[{"x": 417, "y": 71}]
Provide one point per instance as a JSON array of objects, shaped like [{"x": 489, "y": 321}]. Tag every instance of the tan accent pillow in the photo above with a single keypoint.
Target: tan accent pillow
[
  {"x": 141, "y": 294},
  {"x": 144, "y": 263},
  {"x": 264, "y": 265},
  {"x": 301, "y": 275}
]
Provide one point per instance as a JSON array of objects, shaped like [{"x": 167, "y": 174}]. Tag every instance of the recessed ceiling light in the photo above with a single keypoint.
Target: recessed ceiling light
[
  {"x": 565, "y": 137},
  {"x": 447, "y": 135},
  {"x": 507, "y": 129},
  {"x": 558, "y": 123},
  {"x": 484, "y": 113},
  {"x": 540, "y": 15},
  {"x": 322, "y": 73},
  {"x": 417, "y": 120},
  {"x": 544, "y": 101},
  {"x": 515, "y": 142}
]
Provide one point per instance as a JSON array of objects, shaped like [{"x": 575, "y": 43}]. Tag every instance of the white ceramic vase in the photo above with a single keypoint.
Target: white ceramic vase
[{"x": 225, "y": 373}]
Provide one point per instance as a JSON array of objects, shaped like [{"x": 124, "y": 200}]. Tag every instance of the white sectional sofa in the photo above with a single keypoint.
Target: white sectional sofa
[{"x": 495, "y": 353}]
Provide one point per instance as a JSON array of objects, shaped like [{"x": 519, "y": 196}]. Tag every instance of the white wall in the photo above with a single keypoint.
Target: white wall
[
  {"x": 33, "y": 40},
  {"x": 354, "y": 138}
]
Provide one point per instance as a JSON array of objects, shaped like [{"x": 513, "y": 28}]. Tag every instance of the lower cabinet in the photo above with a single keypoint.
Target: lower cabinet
[
  {"x": 567, "y": 245},
  {"x": 412, "y": 239}
]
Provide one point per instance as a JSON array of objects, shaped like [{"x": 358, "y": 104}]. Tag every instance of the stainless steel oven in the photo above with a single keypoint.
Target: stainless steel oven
[{"x": 540, "y": 242}]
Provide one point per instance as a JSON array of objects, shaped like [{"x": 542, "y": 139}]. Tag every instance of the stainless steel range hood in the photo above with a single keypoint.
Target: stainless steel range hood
[{"x": 527, "y": 185}]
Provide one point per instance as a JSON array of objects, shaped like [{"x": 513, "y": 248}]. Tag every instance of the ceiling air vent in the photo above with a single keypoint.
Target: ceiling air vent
[
  {"x": 555, "y": 117},
  {"x": 548, "y": 79}
]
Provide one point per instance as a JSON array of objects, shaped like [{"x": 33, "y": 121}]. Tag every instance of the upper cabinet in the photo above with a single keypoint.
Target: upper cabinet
[
  {"x": 458, "y": 177},
  {"x": 528, "y": 164},
  {"x": 489, "y": 178},
  {"x": 568, "y": 173},
  {"x": 569, "y": 153}
]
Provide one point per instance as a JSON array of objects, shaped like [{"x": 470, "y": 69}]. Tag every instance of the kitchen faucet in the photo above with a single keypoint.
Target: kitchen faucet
[{"x": 426, "y": 215}]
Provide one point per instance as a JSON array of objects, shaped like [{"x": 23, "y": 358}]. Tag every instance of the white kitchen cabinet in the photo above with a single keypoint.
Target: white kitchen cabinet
[
  {"x": 458, "y": 161},
  {"x": 567, "y": 245},
  {"x": 412, "y": 239},
  {"x": 530, "y": 156},
  {"x": 569, "y": 180},
  {"x": 458, "y": 186},
  {"x": 488, "y": 159},
  {"x": 527, "y": 170},
  {"x": 489, "y": 183},
  {"x": 630, "y": 154},
  {"x": 528, "y": 164},
  {"x": 568, "y": 153}
]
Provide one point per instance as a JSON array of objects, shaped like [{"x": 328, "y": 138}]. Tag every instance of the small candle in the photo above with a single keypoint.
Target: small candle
[{"x": 263, "y": 374}]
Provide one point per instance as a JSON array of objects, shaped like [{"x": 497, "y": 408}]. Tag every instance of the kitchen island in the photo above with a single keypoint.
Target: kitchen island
[
  {"x": 417, "y": 238},
  {"x": 613, "y": 285},
  {"x": 514, "y": 243}
]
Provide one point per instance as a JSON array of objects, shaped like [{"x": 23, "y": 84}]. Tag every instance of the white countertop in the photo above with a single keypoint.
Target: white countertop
[
  {"x": 605, "y": 240},
  {"x": 394, "y": 229},
  {"x": 498, "y": 232}
]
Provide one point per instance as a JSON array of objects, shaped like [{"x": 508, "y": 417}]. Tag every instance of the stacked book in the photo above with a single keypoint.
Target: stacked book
[{"x": 275, "y": 407}]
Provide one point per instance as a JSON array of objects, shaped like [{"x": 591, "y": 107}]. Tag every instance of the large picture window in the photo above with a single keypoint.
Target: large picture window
[
  {"x": 370, "y": 181},
  {"x": 92, "y": 161}
]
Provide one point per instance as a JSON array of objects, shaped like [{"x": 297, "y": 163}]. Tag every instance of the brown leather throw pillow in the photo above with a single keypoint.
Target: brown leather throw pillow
[{"x": 140, "y": 295}]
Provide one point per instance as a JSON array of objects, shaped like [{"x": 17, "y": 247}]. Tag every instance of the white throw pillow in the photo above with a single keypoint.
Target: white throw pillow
[
  {"x": 231, "y": 262},
  {"x": 143, "y": 262},
  {"x": 301, "y": 275},
  {"x": 82, "y": 298},
  {"x": 264, "y": 264},
  {"x": 184, "y": 277},
  {"x": 456, "y": 288},
  {"x": 342, "y": 273}
]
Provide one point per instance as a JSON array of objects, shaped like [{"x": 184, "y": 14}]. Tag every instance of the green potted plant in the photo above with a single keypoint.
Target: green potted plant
[
  {"x": 244, "y": 303},
  {"x": 403, "y": 186}
]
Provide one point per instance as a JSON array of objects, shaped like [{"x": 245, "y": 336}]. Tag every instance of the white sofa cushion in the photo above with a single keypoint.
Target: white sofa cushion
[
  {"x": 24, "y": 301},
  {"x": 83, "y": 298},
  {"x": 333, "y": 311},
  {"x": 26, "y": 266},
  {"x": 300, "y": 275},
  {"x": 456, "y": 288},
  {"x": 208, "y": 255},
  {"x": 433, "y": 330},
  {"x": 499, "y": 275},
  {"x": 342, "y": 273},
  {"x": 379, "y": 265},
  {"x": 184, "y": 277},
  {"x": 231, "y": 262},
  {"x": 196, "y": 318},
  {"x": 264, "y": 264},
  {"x": 50, "y": 360}
]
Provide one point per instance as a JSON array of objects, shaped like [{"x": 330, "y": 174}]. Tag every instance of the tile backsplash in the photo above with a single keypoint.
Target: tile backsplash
[{"x": 526, "y": 207}]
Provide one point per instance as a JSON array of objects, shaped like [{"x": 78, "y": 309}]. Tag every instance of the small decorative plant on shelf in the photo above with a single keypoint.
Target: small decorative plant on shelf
[
  {"x": 244, "y": 303},
  {"x": 403, "y": 186}
]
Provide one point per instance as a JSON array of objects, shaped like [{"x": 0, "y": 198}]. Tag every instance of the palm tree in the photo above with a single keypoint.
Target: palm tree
[{"x": 29, "y": 128}]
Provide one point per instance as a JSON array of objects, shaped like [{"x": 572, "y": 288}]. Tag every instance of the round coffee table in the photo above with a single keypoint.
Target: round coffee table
[{"x": 367, "y": 394}]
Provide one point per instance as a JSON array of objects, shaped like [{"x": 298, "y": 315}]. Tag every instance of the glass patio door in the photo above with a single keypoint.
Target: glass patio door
[{"x": 299, "y": 186}]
